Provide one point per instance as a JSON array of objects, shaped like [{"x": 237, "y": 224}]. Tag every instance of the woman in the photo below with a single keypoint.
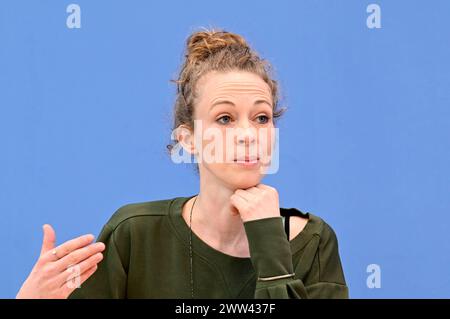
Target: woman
[{"x": 228, "y": 241}]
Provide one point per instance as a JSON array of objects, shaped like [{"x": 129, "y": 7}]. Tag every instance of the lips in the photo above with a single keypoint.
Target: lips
[{"x": 247, "y": 159}]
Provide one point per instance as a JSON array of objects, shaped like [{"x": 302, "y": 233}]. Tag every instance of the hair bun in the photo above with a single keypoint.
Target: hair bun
[{"x": 202, "y": 44}]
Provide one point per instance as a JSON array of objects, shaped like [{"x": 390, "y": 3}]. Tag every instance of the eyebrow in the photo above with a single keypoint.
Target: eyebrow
[{"x": 232, "y": 104}]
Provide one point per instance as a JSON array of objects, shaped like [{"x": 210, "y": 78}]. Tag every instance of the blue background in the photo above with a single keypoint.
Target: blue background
[{"x": 86, "y": 114}]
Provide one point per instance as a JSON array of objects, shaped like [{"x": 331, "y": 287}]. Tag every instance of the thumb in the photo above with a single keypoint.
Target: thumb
[{"x": 49, "y": 239}]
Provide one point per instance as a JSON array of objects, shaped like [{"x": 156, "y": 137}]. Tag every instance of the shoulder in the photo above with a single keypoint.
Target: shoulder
[
  {"x": 131, "y": 212},
  {"x": 324, "y": 242},
  {"x": 310, "y": 223},
  {"x": 325, "y": 231},
  {"x": 328, "y": 251}
]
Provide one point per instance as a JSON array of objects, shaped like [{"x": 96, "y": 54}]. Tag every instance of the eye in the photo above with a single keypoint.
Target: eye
[
  {"x": 263, "y": 119},
  {"x": 226, "y": 118}
]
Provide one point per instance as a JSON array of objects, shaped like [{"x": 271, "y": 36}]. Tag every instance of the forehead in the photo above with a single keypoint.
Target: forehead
[{"x": 232, "y": 83}]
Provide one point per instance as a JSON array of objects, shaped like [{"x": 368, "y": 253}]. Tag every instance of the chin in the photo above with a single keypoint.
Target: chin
[
  {"x": 234, "y": 176},
  {"x": 243, "y": 179}
]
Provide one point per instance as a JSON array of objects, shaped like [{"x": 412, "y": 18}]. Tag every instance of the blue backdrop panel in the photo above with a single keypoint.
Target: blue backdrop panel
[{"x": 85, "y": 117}]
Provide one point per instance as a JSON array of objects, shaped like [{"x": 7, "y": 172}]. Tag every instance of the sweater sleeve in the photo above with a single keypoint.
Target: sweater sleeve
[
  {"x": 317, "y": 273},
  {"x": 110, "y": 278}
]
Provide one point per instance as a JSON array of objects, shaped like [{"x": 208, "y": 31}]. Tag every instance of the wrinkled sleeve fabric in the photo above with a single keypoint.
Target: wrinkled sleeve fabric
[
  {"x": 110, "y": 278},
  {"x": 271, "y": 256}
]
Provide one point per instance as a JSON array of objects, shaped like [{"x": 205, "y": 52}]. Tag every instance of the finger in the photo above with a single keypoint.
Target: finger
[
  {"x": 268, "y": 189},
  {"x": 49, "y": 239},
  {"x": 70, "y": 274},
  {"x": 245, "y": 195},
  {"x": 92, "y": 261},
  {"x": 79, "y": 255},
  {"x": 68, "y": 288},
  {"x": 69, "y": 246},
  {"x": 262, "y": 186},
  {"x": 253, "y": 190},
  {"x": 238, "y": 202}
]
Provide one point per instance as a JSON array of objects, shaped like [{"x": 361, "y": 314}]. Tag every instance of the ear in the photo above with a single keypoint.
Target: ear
[{"x": 185, "y": 136}]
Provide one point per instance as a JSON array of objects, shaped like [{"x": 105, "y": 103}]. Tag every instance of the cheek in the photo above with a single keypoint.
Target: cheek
[
  {"x": 266, "y": 139},
  {"x": 217, "y": 146}
]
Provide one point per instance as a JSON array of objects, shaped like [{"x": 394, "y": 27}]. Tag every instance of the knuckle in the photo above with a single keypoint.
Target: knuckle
[
  {"x": 40, "y": 262},
  {"x": 72, "y": 258},
  {"x": 63, "y": 251},
  {"x": 50, "y": 269},
  {"x": 44, "y": 275},
  {"x": 73, "y": 274}
]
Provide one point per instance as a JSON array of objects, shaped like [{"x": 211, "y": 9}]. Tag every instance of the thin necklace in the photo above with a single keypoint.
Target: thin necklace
[{"x": 190, "y": 247}]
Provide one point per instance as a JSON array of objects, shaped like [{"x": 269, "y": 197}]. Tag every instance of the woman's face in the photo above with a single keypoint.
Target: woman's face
[{"x": 234, "y": 128}]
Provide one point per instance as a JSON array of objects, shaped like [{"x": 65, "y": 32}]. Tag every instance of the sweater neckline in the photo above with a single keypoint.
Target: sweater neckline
[{"x": 201, "y": 247}]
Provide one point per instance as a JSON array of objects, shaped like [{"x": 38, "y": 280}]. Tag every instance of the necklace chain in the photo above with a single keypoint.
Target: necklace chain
[{"x": 190, "y": 248}]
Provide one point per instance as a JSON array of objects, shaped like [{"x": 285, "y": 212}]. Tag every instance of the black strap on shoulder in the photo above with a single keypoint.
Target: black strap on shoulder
[
  {"x": 288, "y": 212},
  {"x": 286, "y": 225}
]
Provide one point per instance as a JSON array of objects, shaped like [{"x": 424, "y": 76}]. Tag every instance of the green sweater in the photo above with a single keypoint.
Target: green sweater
[{"x": 147, "y": 256}]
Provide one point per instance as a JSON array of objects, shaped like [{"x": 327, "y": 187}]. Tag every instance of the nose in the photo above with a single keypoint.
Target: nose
[{"x": 245, "y": 134}]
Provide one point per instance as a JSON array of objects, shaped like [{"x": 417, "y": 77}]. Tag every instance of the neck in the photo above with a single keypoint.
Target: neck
[{"x": 216, "y": 221}]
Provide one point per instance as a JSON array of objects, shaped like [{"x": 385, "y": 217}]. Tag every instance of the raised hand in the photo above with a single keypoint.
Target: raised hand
[{"x": 59, "y": 271}]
